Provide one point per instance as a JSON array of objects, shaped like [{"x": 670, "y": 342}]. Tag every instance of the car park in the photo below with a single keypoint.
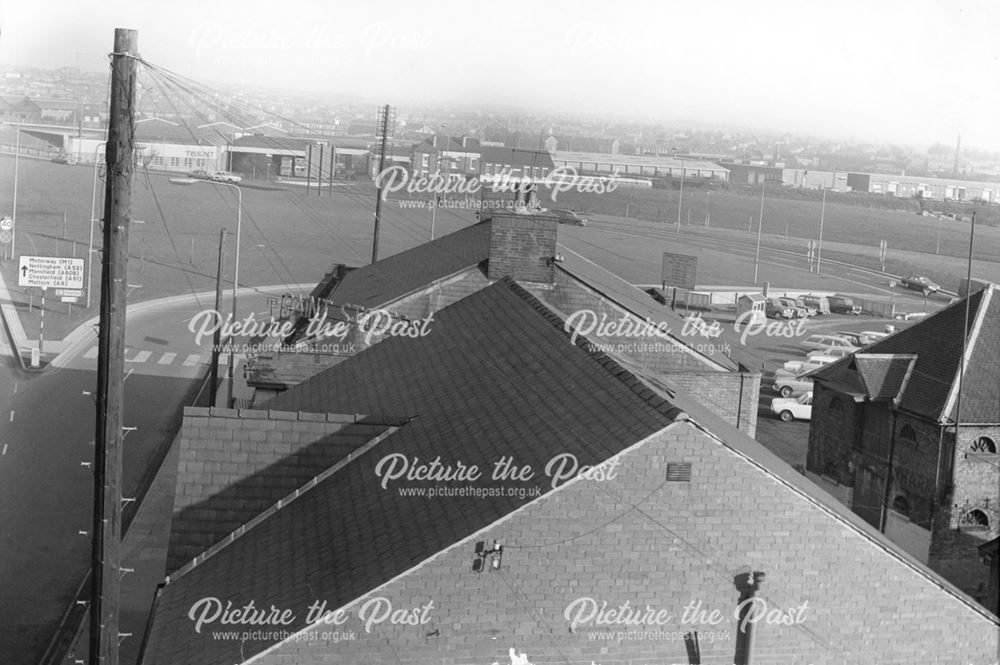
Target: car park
[
  {"x": 843, "y": 305},
  {"x": 919, "y": 283},
  {"x": 774, "y": 309},
  {"x": 824, "y": 342},
  {"x": 789, "y": 409},
  {"x": 788, "y": 384},
  {"x": 567, "y": 216}
]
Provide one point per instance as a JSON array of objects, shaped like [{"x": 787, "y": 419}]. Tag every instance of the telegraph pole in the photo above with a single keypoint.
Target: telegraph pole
[
  {"x": 106, "y": 537},
  {"x": 217, "y": 335},
  {"x": 385, "y": 111},
  {"x": 760, "y": 226}
]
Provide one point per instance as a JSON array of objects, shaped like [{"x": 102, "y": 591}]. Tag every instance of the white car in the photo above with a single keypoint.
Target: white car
[
  {"x": 225, "y": 176},
  {"x": 810, "y": 363},
  {"x": 789, "y": 409},
  {"x": 824, "y": 342},
  {"x": 836, "y": 353},
  {"x": 788, "y": 384}
]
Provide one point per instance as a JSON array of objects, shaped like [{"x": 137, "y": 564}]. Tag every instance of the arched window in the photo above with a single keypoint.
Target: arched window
[
  {"x": 901, "y": 505},
  {"x": 908, "y": 434},
  {"x": 836, "y": 405},
  {"x": 974, "y": 520},
  {"x": 983, "y": 444}
]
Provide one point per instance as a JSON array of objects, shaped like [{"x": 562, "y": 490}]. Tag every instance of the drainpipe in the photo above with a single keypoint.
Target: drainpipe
[
  {"x": 758, "y": 579},
  {"x": 888, "y": 476}
]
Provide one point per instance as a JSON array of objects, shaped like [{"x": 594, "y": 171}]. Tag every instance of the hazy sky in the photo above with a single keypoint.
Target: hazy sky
[{"x": 908, "y": 71}]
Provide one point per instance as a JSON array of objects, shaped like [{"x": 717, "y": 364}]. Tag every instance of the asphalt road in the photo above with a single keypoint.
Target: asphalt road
[{"x": 47, "y": 433}]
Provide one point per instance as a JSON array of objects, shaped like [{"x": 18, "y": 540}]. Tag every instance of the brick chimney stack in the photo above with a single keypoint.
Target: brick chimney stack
[{"x": 523, "y": 246}]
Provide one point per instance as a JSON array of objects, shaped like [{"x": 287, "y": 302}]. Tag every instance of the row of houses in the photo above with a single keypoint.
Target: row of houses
[{"x": 684, "y": 541}]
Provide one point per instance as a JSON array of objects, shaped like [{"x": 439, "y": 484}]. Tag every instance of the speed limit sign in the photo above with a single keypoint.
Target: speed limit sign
[{"x": 6, "y": 223}]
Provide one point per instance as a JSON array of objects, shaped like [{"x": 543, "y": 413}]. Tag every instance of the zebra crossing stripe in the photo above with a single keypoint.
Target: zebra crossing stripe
[
  {"x": 166, "y": 359},
  {"x": 192, "y": 360},
  {"x": 91, "y": 353},
  {"x": 141, "y": 357}
]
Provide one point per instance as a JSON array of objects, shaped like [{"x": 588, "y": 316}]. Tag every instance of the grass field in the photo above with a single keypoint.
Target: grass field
[{"x": 289, "y": 237}]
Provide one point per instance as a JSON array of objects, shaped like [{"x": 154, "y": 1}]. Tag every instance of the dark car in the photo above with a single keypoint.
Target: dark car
[
  {"x": 567, "y": 216},
  {"x": 843, "y": 305},
  {"x": 920, "y": 283}
]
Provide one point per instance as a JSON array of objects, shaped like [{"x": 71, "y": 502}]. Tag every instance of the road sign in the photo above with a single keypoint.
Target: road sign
[
  {"x": 46, "y": 271},
  {"x": 6, "y": 223},
  {"x": 69, "y": 293},
  {"x": 69, "y": 299},
  {"x": 5, "y": 237},
  {"x": 679, "y": 270}
]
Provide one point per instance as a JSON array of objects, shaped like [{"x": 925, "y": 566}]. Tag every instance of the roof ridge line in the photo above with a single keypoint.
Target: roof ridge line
[
  {"x": 971, "y": 337},
  {"x": 609, "y": 363},
  {"x": 927, "y": 573},
  {"x": 281, "y": 503}
]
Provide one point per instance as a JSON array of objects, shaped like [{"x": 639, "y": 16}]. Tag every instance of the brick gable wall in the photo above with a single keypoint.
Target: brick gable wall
[{"x": 640, "y": 539}]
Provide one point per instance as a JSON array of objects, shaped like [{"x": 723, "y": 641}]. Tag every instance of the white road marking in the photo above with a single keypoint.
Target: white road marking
[
  {"x": 192, "y": 360},
  {"x": 166, "y": 359},
  {"x": 12, "y": 415},
  {"x": 15, "y": 387},
  {"x": 4, "y": 449},
  {"x": 141, "y": 357},
  {"x": 91, "y": 353}
]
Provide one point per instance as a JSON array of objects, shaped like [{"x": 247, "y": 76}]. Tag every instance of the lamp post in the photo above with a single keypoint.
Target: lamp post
[
  {"x": 236, "y": 275},
  {"x": 760, "y": 226},
  {"x": 680, "y": 199},
  {"x": 819, "y": 248},
  {"x": 13, "y": 214}
]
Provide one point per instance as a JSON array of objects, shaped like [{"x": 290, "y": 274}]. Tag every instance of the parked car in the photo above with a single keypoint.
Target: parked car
[
  {"x": 843, "y": 305},
  {"x": 788, "y": 384},
  {"x": 809, "y": 364},
  {"x": 774, "y": 309},
  {"x": 64, "y": 158},
  {"x": 824, "y": 342},
  {"x": 789, "y": 409},
  {"x": 201, "y": 174},
  {"x": 820, "y": 303},
  {"x": 797, "y": 312},
  {"x": 225, "y": 176},
  {"x": 920, "y": 283},
  {"x": 810, "y": 310},
  {"x": 833, "y": 352},
  {"x": 567, "y": 216}
]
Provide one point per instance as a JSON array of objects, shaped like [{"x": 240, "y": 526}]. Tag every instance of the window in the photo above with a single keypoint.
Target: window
[
  {"x": 974, "y": 520},
  {"x": 984, "y": 444},
  {"x": 175, "y": 161},
  {"x": 187, "y": 161},
  {"x": 425, "y": 161},
  {"x": 908, "y": 434},
  {"x": 836, "y": 405},
  {"x": 901, "y": 505}
]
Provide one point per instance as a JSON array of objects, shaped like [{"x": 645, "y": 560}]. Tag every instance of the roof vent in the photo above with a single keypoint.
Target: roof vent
[{"x": 679, "y": 472}]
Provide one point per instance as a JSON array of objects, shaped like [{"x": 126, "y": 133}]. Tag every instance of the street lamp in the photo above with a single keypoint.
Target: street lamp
[
  {"x": 680, "y": 199},
  {"x": 236, "y": 274}
]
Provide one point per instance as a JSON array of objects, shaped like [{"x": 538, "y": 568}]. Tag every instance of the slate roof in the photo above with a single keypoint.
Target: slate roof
[
  {"x": 393, "y": 277},
  {"x": 496, "y": 376},
  {"x": 516, "y": 157},
  {"x": 937, "y": 344}
]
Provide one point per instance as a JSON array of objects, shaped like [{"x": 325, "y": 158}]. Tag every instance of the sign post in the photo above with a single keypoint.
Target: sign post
[{"x": 678, "y": 271}]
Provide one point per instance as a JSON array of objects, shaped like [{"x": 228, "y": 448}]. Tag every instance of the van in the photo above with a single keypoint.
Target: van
[
  {"x": 843, "y": 305},
  {"x": 820, "y": 303},
  {"x": 824, "y": 342}
]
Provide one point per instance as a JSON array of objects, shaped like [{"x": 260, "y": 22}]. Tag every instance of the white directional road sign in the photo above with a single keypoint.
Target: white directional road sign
[
  {"x": 69, "y": 293},
  {"x": 50, "y": 271}
]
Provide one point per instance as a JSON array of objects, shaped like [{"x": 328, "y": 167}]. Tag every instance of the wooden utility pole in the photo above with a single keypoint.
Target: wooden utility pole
[
  {"x": 309, "y": 167},
  {"x": 319, "y": 173},
  {"x": 106, "y": 538},
  {"x": 384, "y": 112},
  {"x": 217, "y": 335}
]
